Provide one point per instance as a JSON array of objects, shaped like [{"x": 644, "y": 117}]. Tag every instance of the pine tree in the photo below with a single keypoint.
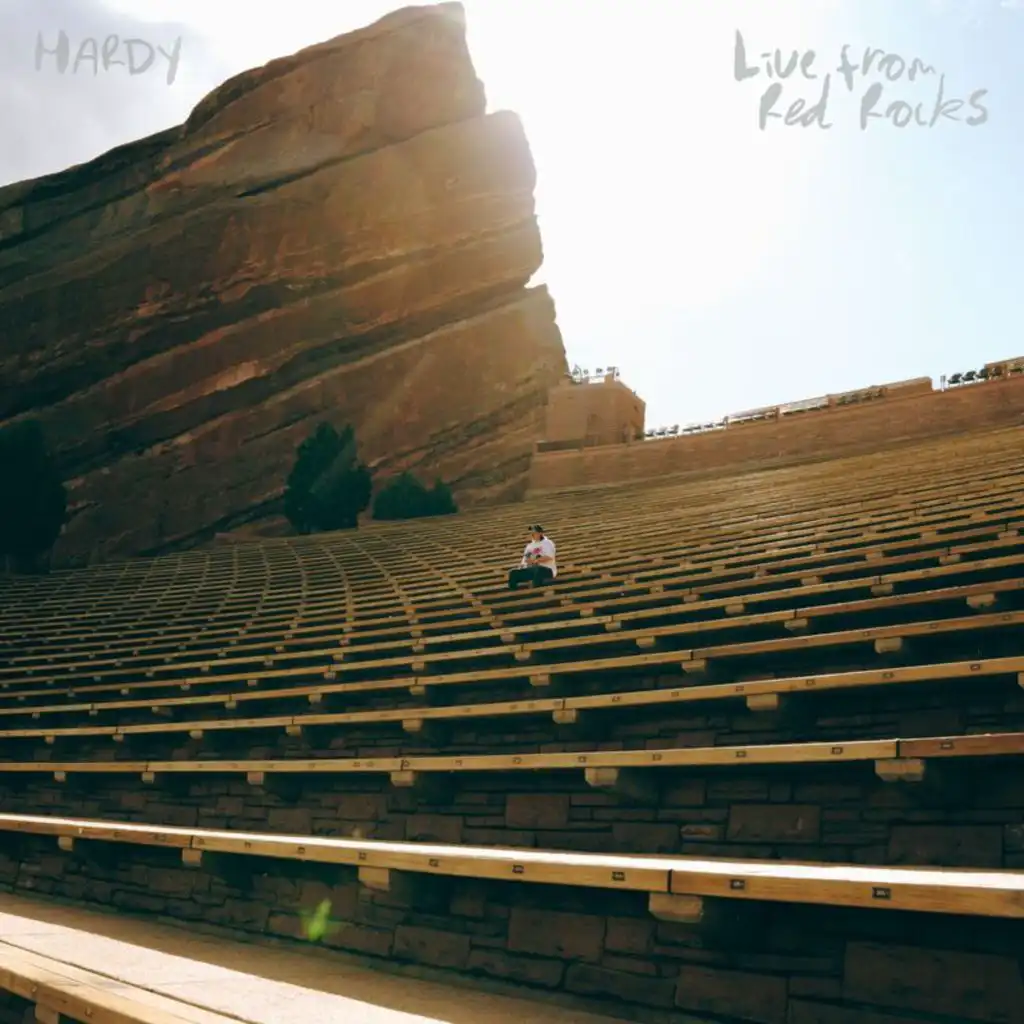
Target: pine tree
[
  {"x": 405, "y": 497},
  {"x": 33, "y": 499},
  {"x": 328, "y": 487}
]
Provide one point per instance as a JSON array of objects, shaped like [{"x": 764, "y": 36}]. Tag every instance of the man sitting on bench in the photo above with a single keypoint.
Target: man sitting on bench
[{"x": 538, "y": 563}]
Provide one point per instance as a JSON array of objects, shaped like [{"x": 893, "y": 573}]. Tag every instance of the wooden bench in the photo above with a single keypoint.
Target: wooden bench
[
  {"x": 796, "y": 619},
  {"x": 270, "y": 623},
  {"x": 660, "y": 545},
  {"x": 883, "y": 638},
  {"x": 760, "y": 695},
  {"x": 689, "y": 587},
  {"x": 678, "y": 888},
  {"x": 626, "y": 771},
  {"x": 63, "y": 992}
]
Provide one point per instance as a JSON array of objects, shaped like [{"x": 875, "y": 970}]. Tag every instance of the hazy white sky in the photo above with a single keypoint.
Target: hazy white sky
[{"x": 721, "y": 267}]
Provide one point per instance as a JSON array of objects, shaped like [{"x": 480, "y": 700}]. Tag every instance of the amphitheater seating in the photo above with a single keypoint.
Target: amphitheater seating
[
  {"x": 466, "y": 542},
  {"x": 927, "y": 542},
  {"x": 759, "y": 695},
  {"x": 776, "y": 691}
]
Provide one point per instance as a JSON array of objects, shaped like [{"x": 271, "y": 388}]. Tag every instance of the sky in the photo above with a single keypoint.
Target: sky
[{"x": 720, "y": 265}]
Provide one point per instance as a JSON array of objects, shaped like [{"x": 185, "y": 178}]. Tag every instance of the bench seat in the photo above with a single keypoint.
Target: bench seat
[
  {"x": 894, "y": 760},
  {"x": 676, "y": 886},
  {"x": 62, "y": 992}
]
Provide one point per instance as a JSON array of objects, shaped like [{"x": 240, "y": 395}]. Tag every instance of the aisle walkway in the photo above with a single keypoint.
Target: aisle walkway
[{"x": 255, "y": 984}]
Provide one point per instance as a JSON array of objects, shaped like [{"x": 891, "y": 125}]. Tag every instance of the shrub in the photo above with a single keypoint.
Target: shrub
[
  {"x": 33, "y": 506},
  {"x": 405, "y": 497},
  {"x": 328, "y": 487}
]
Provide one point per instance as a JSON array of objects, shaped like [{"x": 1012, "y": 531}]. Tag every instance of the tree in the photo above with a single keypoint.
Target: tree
[
  {"x": 405, "y": 497},
  {"x": 33, "y": 500},
  {"x": 442, "y": 500},
  {"x": 328, "y": 487}
]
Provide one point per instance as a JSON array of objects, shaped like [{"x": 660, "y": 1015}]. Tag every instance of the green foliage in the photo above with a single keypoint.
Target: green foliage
[
  {"x": 328, "y": 487},
  {"x": 442, "y": 500},
  {"x": 33, "y": 501},
  {"x": 406, "y": 497}
]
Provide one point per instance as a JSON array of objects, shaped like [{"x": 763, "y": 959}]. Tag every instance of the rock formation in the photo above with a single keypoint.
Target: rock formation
[{"x": 343, "y": 234}]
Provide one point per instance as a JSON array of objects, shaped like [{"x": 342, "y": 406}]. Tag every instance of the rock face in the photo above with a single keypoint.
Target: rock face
[{"x": 342, "y": 234}]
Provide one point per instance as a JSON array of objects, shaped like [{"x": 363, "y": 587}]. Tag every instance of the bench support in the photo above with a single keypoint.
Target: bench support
[
  {"x": 770, "y": 702},
  {"x": 420, "y": 892},
  {"x": 98, "y": 853},
  {"x": 428, "y": 730},
  {"x": 570, "y": 717},
  {"x": 430, "y": 787},
  {"x": 172, "y": 782},
  {"x": 281, "y": 785},
  {"x": 194, "y": 858},
  {"x": 902, "y": 769},
  {"x": 892, "y": 647},
  {"x": 577, "y": 724},
  {"x": 630, "y": 783},
  {"x": 932, "y": 781},
  {"x": 789, "y": 708},
  {"x": 237, "y": 871},
  {"x": 719, "y": 921}
]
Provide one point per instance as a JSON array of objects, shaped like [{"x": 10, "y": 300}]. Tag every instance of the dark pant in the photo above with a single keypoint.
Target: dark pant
[{"x": 537, "y": 575}]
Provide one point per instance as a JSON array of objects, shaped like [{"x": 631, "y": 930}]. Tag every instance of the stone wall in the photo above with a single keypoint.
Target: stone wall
[
  {"x": 814, "y": 436},
  {"x": 342, "y": 234},
  {"x": 780, "y": 964},
  {"x": 839, "y": 812}
]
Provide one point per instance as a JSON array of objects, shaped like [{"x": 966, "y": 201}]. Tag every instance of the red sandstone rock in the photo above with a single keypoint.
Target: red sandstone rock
[{"x": 342, "y": 233}]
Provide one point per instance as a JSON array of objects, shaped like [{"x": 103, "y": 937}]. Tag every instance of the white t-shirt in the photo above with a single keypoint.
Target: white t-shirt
[{"x": 541, "y": 548}]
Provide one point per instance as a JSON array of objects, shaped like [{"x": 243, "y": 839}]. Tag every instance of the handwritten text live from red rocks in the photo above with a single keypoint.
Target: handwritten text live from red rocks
[{"x": 876, "y": 73}]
